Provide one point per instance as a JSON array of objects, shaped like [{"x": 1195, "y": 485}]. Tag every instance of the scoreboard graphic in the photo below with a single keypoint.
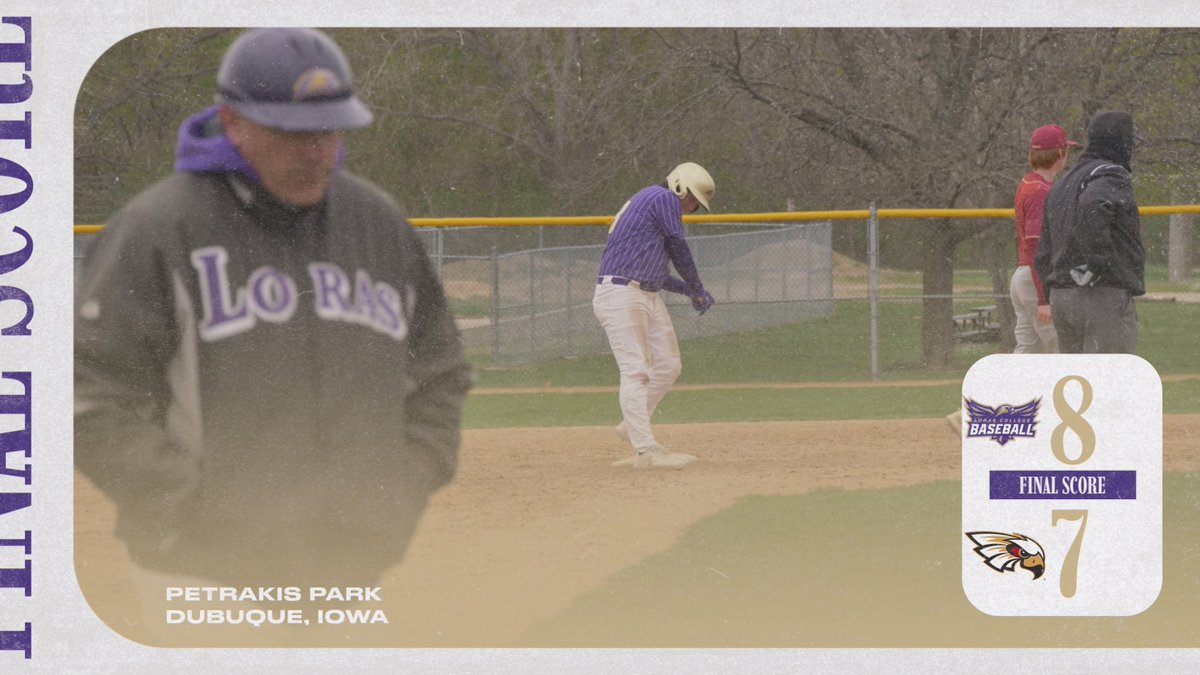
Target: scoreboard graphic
[{"x": 1062, "y": 485}]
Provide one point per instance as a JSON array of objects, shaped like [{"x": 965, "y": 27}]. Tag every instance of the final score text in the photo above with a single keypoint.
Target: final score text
[
  {"x": 15, "y": 134},
  {"x": 1031, "y": 484}
]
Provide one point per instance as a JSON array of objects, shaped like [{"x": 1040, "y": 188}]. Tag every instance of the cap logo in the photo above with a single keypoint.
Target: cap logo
[{"x": 317, "y": 83}]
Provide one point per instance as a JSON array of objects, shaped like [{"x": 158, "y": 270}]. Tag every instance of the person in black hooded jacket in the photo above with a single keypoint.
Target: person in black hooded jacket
[{"x": 1090, "y": 256}]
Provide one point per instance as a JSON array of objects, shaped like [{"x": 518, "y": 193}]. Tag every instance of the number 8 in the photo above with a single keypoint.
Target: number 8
[{"x": 1072, "y": 419}]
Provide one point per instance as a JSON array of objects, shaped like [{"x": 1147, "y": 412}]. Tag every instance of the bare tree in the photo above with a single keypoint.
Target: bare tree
[
  {"x": 931, "y": 117},
  {"x": 134, "y": 98},
  {"x": 582, "y": 114}
]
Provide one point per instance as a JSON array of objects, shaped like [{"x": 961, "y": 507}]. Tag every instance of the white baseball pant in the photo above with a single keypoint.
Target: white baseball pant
[
  {"x": 643, "y": 342},
  {"x": 1033, "y": 336}
]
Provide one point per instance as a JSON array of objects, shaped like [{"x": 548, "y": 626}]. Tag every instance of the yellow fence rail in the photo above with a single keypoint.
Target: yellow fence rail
[{"x": 775, "y": 217}]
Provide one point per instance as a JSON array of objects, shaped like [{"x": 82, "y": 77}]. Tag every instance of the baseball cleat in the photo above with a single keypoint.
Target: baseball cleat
[
  {"x": 621, "y": 432},
  {"x": 658, "y": 457}
]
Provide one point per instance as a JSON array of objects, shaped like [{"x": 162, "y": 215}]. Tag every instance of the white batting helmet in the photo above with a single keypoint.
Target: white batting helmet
[{"x": 691, "y": 177}]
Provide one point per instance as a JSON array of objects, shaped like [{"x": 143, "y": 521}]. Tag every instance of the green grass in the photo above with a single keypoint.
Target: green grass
[
  {"x": 837, "y": 349},
  {"x": 1156, "y": 280},
  {"x": 1181, "y": 397},
  {"x": 727, "y": 405},
  {"x": 830, "y": 349},
  {"x": 749, "y": 405},
  {"x": 871, "y": 568},
  {"x": 1168, "y": 337},
  {"x": 476, "y": 306}
]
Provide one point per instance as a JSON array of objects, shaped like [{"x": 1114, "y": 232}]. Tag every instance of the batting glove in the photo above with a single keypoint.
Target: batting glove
[{"x": 702, "y": 302}]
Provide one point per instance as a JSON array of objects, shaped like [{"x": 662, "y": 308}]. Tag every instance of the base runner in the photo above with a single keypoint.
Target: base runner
[{"x": 646, "y": 234}]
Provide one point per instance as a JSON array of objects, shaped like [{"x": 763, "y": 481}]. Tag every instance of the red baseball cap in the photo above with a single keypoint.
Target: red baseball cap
[{"x": 1050, "y": 137}]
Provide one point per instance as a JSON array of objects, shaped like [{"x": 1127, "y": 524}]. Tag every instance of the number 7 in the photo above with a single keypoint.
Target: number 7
[{"x": 1070, "y": 569}]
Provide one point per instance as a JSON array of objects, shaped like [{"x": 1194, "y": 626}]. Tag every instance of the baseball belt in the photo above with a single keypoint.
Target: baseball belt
[{"x": 618, "y": 281}]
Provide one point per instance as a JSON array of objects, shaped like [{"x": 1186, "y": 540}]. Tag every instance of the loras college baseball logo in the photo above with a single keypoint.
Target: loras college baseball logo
[
  {"x": 1084, "y": 481},
  {"x": 1004, "y": 422}
]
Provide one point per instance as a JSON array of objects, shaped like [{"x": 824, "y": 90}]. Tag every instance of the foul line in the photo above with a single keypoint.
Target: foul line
[{"x": 487, "y": 391}]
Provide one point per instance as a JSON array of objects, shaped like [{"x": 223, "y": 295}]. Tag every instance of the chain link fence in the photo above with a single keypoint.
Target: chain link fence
[
  {"x": 535, "y": 304},
  {"x": 520, "y": 297},
  {"x": 541, "y": 300}
]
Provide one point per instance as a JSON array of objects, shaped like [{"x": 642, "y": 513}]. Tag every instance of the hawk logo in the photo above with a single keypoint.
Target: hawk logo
[
  {"x": 1004, "y": 422},
  {"x": 1006, "y": 552}
]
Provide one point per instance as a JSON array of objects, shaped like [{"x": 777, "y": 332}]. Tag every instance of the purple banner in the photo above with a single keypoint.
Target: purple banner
[{"x": 1063, "y": 485}]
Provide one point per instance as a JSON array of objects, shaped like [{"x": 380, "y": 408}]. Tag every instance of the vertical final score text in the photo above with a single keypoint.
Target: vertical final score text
[{"x": 16, "y": 140}]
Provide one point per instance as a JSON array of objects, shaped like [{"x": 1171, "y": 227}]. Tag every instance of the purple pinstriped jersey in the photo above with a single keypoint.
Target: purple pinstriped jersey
[{"x": 636, "y": 247}]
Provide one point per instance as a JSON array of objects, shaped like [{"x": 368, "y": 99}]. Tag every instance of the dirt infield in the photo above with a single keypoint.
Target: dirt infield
[{"x": 537, "y": 517}]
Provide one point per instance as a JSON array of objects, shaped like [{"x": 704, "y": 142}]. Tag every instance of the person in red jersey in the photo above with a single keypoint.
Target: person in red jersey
[{"x": 1034, "y": 328}]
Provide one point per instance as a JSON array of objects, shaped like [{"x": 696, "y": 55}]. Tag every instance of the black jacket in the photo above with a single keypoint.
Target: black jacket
[
  {"x": 1091, "y": 218},
  {"x": 268, "y": 396}
]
